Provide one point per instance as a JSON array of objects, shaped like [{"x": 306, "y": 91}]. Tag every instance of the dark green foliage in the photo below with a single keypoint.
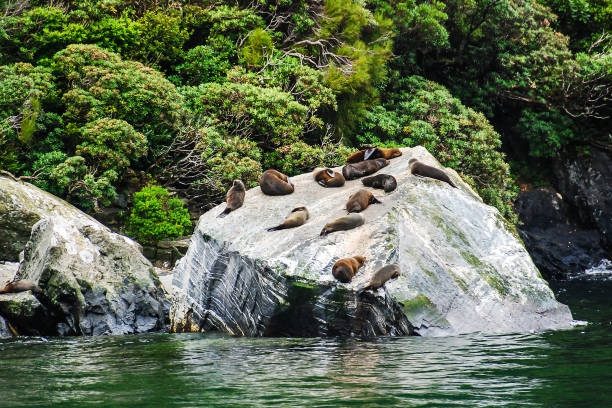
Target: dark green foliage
[
  {"x": 266, "y": 115},
  {"x": 203, "y": 64},
  {"x": 111, "y": 144},
  {"x": 102, "y": 85},
  {"x": 157, "y": 216},
  {"x": 422, "y": 112},
  {"x": 299, "y": 157}
]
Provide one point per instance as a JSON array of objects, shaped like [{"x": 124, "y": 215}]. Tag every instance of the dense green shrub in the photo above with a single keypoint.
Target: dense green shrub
[
  {"x": 300, "y": 157},
  {"x": 421, "y": 112},
  {"x": 102, "y": 85},
  {"x": 23, "y": 90},
  {"x": 267, "y": 116},
  {"x": 203, "y": 64},
  {"x": 111, "y": 144},
  {"x": 157, "y": 216}
]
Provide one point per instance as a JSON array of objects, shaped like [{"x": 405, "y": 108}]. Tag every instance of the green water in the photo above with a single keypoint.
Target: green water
[{"x": 571, "y": 368}]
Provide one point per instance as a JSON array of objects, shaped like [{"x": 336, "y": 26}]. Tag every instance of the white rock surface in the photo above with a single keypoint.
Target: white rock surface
[{"x": 463, "y": 270}]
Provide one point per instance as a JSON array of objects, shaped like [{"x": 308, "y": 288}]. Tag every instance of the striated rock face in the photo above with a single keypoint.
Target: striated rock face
[
  {"x": 94, "y": 281},
  {"x": 463, "y": 269}
]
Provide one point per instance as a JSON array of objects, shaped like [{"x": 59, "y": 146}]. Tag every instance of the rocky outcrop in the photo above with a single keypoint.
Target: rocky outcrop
[
  {"x": 94, "y": 281},
  {"x": 556, "y": 239},
  {"x": 463, "y": 268},
  {"x": 586, "y": 182}
]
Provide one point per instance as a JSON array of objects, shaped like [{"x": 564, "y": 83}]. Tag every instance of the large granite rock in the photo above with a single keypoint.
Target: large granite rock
[
  {"x": 586, "y": 182},
  {"x": 559, "y": 244},
  {"x": 94, "y": 281},
  {"x": 463, "y": 268}
]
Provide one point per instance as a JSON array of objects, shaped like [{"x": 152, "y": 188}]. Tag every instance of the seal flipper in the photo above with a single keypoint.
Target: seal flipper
[
  {"x": 224, "y": 213},
  {"x": 368, "y": 153},
  {"x": 322, "y": 183},
  {"x": 375, "y": 200},
  {"x": 330, "y": 173}
]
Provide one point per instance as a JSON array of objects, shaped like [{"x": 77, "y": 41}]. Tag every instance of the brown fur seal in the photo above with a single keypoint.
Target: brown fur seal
[
  {"x": 381, "y": 276},
  {"x": 275, "y": 183},
  {"x": 343, "y": 223},
  {"x": 385, "y": 181},
  {"x": 360, "y": 201},
  {"x": 328, "y": 178},
  {"x": 298, "y": 217},
  {"x": 373, "y": 153},
  {"x": 344, "y": 269},
  {"x": 21, "y": 286},
  {"x": 421, "y": 169},
  {"x": 364, "y": 168},
  {"x": 234, "y": 198}
]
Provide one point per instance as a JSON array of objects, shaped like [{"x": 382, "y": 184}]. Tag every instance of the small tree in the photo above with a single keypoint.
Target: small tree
[{"x": 157, "y": 216}]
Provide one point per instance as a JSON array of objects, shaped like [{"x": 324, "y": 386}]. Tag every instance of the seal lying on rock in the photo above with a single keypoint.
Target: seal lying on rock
[
  {"x": 298, "y": 217},
  {"x": 21, "y": 286},
  {"x": 385, "y": 181},
  {"x": 234, "y": 198},
  {"x": 381, "y": 276},
  {"x": 344, "y": 269},
  {"x": 364, "y": 168},
  {"x": 343, "y": 223},
  {"x": 373, "y": 153},
  {"x": 360, "y": 201},
  {"x": 421, "y": 169},
  {"x": 275, "y": 183},
  {"x": 328, "y": 178}
]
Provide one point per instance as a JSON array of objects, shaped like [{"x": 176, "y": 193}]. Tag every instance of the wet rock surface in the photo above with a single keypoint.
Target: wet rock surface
[
  {"x": 556, "y": 239},
  {"x": 463, "y": 268},
  {"x": 586, "y": 183},
  {"x": 94, "y": 281}
]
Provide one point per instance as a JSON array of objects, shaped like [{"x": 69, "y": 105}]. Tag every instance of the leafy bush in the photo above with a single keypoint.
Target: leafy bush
[
  {"x": 157, "y": 216},
  {"x": 103, "y": 85},
  {"x": 203, "y": 64},
  {"x": 421, "y": 112},
  {"x": 258, "y": 46},
  {"x": 267, "y": 116},
  {"x": 111, "y": 144},
  {"x": 299, "y": 157}
]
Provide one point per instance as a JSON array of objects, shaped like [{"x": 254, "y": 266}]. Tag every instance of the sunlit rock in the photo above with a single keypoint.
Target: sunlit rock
[{"x": 463, "y": 267}]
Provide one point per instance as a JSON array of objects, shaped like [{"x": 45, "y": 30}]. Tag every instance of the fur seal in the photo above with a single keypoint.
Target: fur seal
[
  {"x": 382, "y": 275},
  {"x": 385, "y": 181},
  {"x": 298, "y": 217},
  {"x": 364, "y": 168},
  {"x": 328, "y": 178},
  {"x": 421, "y": 169},
  {"x": 275, "y": 183},
  {"x": 343, "y": 223},
  {"x": 372, "y": 153},
  {"x": 234, "y": 198},
  {"x": 21, "y": 286},
  {"x": 360, "y": 200},
  {"x": 345, "y": 268}
]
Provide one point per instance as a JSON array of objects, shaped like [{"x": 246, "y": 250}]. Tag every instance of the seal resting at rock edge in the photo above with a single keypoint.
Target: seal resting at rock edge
[
  {"x": 364, "y": 168},
  {"x": 328, "y": 178},
  {"x": 373, "y": 153},
  {"x": 345, "y": 268},
  {"x": 385, "y": 181},
  {"x": 343, "y": 223},
  {"x": 381, "y": 276},
  {"x": 234, "y": 198},
  {"x": 360, "y": 200},
  {"x": 421, "y": 169},
  {"x": 298, "y": 217},
  {"x": 20, "y": 286},
  {"x": 275, "y": 183}
]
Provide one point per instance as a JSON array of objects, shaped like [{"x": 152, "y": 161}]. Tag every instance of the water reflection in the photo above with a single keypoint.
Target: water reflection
[{"x": 565, "y": 368}]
